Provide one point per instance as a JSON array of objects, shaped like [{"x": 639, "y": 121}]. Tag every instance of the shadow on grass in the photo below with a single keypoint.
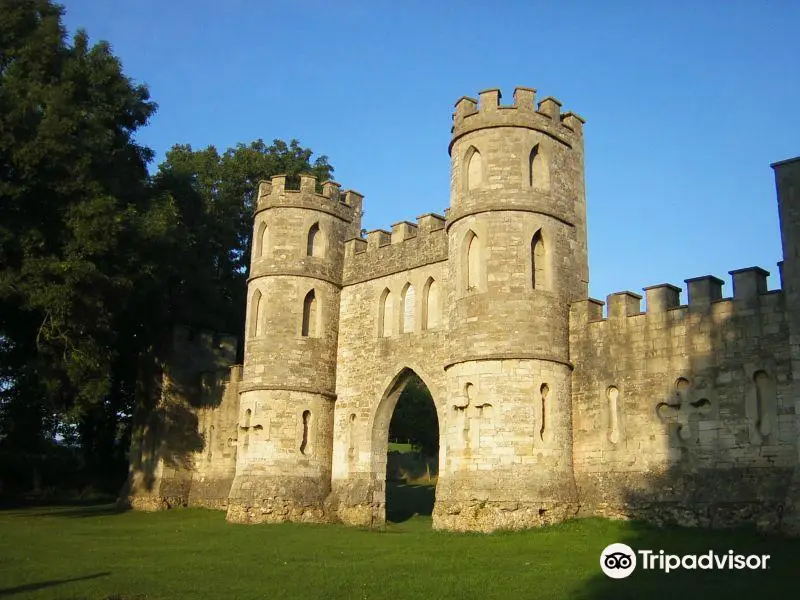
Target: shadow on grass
[
  {"x": 768, "y": 582},
  {"x": 405, "y": 500},
  {"x": 71, "y": 510},
  {"x": 32, "y": 587}
]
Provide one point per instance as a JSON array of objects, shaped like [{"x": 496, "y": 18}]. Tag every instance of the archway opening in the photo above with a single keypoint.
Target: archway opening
[{"x": 412, "y": 459}]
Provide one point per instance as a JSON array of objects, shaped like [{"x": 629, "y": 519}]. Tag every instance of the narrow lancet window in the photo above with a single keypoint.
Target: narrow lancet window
[
  {"x": 431, "y": 305},
  {"x": 306, "y": 423},
  {"x": 612, "y": 393},
  {"x": 256, "y": 317},
  {"x": 309, "y": 328},
  {"x": 385, "y": 314},
  {"x": 543, "y": 391},
  {"x": 538, "y": 171},
  {"x": 315, "y": 245},
  {"x": 261, "y": 246},
  {"x": 474, "y": 262},
  {"x": 538, "y": 272},
  {"x": 474, "y": 169},
  {"x": 351, "y": 450}
]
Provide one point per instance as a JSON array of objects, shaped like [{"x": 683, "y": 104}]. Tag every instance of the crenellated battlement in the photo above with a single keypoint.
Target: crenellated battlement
[
  {"x": 704, "y": 294},
  {"x": 406, "y": 246},
  {"x": 345, "y": 204},
  {"x": 545, "y": 116}
]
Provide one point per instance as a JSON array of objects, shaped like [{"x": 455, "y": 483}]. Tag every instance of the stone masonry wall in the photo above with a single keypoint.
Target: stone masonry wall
[
  {"x": 283, "y": 471},
  {"x": 168, "y": 441},
  {"x": 787, "y": 186},
  {"x": 508, "y": 463},
  {"x": 370, "y": 377},
  {"x": 283, "y": 464},
  {"x": 407, "y": 246},
  {"x": 684, "y": 414},
  {"x": 215, "y": 464}
]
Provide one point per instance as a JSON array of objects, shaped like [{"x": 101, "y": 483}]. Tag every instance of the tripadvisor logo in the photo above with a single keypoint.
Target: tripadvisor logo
[{"x": 619, "y": 560}]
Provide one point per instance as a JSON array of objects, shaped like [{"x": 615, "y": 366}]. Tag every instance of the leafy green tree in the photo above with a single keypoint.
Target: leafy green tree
[
  {"x": 98, "y": 261},
  {"x": 74, "y": 212},
  {"x": 215, "y": 195}
]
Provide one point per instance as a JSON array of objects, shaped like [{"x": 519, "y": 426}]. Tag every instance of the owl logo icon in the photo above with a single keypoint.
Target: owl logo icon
[{"x": 618, "y": 561}]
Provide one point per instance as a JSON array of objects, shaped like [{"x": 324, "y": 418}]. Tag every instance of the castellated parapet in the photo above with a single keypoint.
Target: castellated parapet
[
  {"x": 407, "y": 246},
  {"x": 684, "y": 413},
  {"x": 548, "y": 404}
]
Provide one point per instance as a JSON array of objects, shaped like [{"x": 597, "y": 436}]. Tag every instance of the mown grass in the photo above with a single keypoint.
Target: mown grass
[
  {"x": 402, "y": 448},
  {"x": 93, "y": 552}
]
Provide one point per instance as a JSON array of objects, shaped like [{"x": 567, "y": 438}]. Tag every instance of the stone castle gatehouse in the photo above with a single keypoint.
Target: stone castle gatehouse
[{"x": 548, "y": 406}]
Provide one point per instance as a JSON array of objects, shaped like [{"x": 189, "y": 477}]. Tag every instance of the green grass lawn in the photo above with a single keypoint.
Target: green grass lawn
[
  {"x": 93, "y": 552},
  {"x": 401, "y": 448}
]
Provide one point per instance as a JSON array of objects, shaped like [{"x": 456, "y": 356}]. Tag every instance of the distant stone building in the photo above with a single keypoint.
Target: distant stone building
[{"x": 546, "y": 407}]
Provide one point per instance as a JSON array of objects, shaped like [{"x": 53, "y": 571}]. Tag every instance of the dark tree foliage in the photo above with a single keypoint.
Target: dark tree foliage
[
  {"x": 214, "y": 195},
  {"x": 98, "y": 261},
  {"x": 73, "y": 211},
  {"x": 414, "y": 419}
]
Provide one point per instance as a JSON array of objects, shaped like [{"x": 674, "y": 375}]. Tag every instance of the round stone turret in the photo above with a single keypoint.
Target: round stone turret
[
  {"x": 517, "y": 250},
  {"x": 286, "y": 403}
]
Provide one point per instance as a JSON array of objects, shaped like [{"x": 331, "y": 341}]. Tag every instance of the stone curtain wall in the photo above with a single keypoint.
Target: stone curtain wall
[
  {"x": 684, "y": 414},
  {"x": 215, "y": 464},
  {"x": 169, "y": 448}
]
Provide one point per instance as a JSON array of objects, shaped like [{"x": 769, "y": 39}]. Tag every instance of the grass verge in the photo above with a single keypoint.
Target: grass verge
[{"x": 94, "y": 552}]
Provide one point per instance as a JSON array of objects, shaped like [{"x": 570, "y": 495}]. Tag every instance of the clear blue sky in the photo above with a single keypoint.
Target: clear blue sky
[{"x": 687, "y": 103}]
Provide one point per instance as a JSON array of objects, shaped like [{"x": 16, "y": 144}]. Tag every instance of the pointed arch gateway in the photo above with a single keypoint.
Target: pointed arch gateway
[{"x": 406, "y": 409}]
